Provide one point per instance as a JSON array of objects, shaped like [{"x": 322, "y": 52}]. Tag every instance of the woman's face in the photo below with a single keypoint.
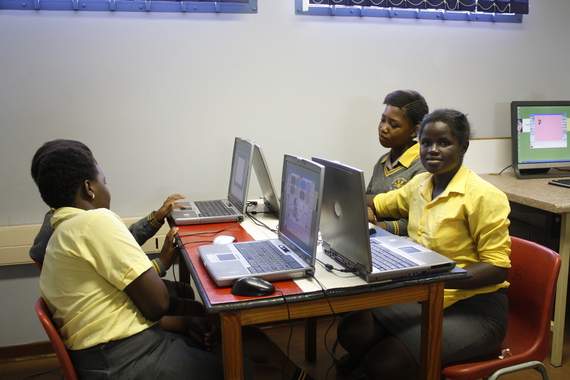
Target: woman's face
[
  {"x": 440, "y": 151},
  {"x": 395, "y": 130},
  {"x": 102, "y": 195}
]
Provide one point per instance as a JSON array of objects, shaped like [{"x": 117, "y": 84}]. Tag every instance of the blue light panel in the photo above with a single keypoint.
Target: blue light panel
[
  {"x": 220, "y": 6},
  {"x": 465, "y": 10}
]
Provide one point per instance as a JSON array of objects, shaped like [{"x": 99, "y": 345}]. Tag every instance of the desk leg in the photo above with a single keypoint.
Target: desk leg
[
  {"x": 561, "y": 289},
  {"x": 183, "y": 272},
  {"x": 432, "y": 319},
  {"x": 311, "y": 340},
  {"x": 232, "y": 348}
]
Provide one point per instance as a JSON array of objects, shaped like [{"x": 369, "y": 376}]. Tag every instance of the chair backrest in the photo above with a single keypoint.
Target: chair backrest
[
  {"x": 533, "y": 278},
  {"x": 44, "y": 316}
]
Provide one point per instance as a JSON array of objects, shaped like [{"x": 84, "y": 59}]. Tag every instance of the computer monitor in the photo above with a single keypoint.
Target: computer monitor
[{"x": 540, "y": 138}]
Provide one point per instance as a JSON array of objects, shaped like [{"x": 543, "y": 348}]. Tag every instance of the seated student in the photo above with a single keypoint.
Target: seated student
[
  {"x": 141, "y": 230},
  {"x": 105, "y": 296},
  {"x": 451, "y": 210},
  {"x": 397, "y": 130}
]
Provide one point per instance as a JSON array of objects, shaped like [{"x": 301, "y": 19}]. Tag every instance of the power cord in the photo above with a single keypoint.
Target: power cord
[
  {"x": 505, "y": 168},
  {"x": 329, "y": 350},
  {"x": 330, "y": 267},
  {"x": 255, "y": 220},
  {"x": 202, "y": 233},
  {"x": 288, "y": 349}
]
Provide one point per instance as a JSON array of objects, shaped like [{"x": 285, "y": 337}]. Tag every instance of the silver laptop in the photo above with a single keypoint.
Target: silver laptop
[
  {"x": 261, "y": 170},
  {"x": 346, "y": 236},
  {"x": 222, "y": 210},
  {"x": 293, "y": 253}
]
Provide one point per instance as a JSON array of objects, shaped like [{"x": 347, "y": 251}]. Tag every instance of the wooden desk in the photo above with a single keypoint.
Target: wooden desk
[
  {"x": 537, "y": 193},
  {"x": 236, "y": 312}
]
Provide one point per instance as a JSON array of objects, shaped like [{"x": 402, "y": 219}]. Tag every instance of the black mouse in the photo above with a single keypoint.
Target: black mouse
[{"x": 252, "y": 286}]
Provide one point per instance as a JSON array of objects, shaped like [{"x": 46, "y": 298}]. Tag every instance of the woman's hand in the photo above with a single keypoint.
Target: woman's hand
[
  {"x": 169, "y": 251},
  {"x": 167, "y": 206}
]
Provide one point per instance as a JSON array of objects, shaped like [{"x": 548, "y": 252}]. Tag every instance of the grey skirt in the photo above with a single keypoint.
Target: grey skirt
[
  {"x": 150, "y": 354},
  {"x": 472, "y": 328}
]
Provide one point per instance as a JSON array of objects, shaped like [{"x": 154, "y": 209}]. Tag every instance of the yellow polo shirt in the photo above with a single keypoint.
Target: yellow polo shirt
[
  {"x": 90, "y": 259},
  {"x": 468, "y": 222}
]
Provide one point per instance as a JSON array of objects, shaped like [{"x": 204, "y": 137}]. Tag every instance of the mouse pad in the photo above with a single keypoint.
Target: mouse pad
[{"x": 193, "y": 236}]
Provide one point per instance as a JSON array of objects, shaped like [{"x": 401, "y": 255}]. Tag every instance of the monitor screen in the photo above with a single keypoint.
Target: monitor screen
[
  {"x": 241, "y": 168},
  {"x": 539, "y": 131},
  {"x": 301, "y": 192}
]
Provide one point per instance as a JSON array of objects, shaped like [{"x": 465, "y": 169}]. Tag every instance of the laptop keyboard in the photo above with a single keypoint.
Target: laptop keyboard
[
  {"x": 383, "y": 259},
  {"x": 265, "y": 257},
  {"x": 214, "y": 208}
]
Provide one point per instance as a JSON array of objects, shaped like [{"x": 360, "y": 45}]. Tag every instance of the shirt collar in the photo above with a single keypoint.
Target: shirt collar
[
  {"x": 456, "y": 185},
  {"x": 62, "y": 214},
  {"x": 407, "y": 158}
]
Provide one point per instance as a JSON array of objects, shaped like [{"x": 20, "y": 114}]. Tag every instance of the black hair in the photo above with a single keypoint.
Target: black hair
[
  {"x": 51, "y": 145},
  {"x": 59, "y": 168},
  {"x": 411, "y": 102},
  {"x": 455, "y": 120}
]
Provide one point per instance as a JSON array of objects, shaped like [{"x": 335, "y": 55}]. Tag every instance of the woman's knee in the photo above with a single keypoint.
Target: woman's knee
[{"x": 390, "y": 359}]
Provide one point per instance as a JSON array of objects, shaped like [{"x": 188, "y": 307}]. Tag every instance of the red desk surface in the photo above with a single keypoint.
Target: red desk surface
[{"x": 193, "y": 236}]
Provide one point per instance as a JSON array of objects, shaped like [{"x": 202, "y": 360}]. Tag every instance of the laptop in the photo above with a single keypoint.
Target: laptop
[
  {"x": 270, "y": 200},
  {"x": 346, "y": 236},
  {"x": 293, "y": 253},
  {"x": 231, "y": 209}
]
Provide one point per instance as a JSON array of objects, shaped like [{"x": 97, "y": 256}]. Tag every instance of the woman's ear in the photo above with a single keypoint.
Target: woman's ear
[{"x": 88, "y": 190}]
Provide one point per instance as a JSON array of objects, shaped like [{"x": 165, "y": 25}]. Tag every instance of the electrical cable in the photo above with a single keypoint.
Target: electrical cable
[
  {"x": 196, "y": 242},
  {"x": 202, "y": 233},
  {"x": 288, "y": 349},
  {"x": 256, "y": 221},
  {"x": 505, "y": 168},
  {"x": 329, "y": 351},
  {"x": 331, "y": 268}
]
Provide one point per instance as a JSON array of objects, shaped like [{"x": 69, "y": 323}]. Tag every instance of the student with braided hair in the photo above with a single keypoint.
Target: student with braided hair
[{"x": 397, "y": 130}]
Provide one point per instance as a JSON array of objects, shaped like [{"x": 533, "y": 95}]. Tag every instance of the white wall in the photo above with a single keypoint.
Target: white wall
[{"x": 159, "y": 97}]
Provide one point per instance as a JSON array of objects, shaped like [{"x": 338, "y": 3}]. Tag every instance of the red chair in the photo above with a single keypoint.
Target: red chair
[
  {"x": 44, "y": 316},
  {"x": 533, "y": 280}
]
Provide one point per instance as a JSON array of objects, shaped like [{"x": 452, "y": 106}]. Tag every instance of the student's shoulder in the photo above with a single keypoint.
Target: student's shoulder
[
  {"x": 102, "y": 217},
  {"x": 480, "y": 188}
]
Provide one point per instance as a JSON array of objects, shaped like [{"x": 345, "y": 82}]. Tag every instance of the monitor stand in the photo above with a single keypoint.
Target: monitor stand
[{"x": 542, "y": 173}]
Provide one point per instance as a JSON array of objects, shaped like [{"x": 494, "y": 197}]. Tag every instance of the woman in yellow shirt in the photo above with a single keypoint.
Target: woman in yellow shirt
[{"x": 453, "y": 211}]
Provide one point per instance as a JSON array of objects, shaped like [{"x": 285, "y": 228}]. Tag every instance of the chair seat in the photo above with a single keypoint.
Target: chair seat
[{"x": 533, "y": 279}]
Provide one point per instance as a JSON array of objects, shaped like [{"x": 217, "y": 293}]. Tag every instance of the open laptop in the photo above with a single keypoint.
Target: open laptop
[
  {"x": 346, "y": 236},
  {"x": 270, "y": 200},
  {"x": 293, "y": 253},
  {"x": 222, "y": 210}
]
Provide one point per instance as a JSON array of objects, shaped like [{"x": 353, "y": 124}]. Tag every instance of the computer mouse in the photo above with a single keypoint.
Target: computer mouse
[
  {"x": 252, "y": 286},
  {"x": 223, "y": 239}
]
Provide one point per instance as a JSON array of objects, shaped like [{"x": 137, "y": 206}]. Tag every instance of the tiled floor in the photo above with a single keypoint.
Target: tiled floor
[{"x": 46, "y": 367}]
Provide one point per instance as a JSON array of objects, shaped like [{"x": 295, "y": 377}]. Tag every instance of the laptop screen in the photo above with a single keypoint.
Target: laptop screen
[
  {"x": 344, "y": 224},
  {"x": 300, "y": 193},
  {"x": 239, "y": 178}
]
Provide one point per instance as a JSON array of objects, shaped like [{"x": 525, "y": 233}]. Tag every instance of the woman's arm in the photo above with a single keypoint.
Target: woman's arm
[
  {"x": 147, "y": 227},
  {"x": 149, "y": 294},
  {"x": 148, "y": 291},
  {"x": 481, "y": 275}
]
